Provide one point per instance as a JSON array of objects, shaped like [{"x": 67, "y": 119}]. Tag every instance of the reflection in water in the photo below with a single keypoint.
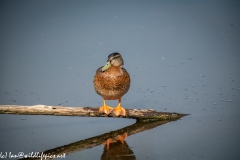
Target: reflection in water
[
  {"x": 117, "y": 148},
  {"x": 120, "y": 138}
]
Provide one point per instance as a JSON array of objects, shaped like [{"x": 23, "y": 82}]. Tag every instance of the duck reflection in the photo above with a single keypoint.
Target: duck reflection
[{"x": 117, "y": 148}]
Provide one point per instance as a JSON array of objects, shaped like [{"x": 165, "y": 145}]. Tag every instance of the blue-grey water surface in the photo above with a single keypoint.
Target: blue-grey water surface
[{"x": 183, "y": 56}]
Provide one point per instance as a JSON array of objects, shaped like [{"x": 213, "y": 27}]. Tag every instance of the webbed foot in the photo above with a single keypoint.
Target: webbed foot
[
  {"x": 105, "y": 109},
  {"x": 119, "y": 111}
]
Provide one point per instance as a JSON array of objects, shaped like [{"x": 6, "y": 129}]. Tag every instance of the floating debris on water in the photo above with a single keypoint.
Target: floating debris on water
[{"x": 229, "y": 100}]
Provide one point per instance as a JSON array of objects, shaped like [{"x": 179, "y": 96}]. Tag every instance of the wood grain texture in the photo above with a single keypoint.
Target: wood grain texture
[{"x": 139, "y": 114}]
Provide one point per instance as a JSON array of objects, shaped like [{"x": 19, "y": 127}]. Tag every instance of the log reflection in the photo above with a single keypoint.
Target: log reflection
[{"x": 114, "y": 144}]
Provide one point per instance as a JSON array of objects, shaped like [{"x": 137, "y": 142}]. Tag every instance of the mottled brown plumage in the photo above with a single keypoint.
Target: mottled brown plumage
[{"x": 111, "y": 82}]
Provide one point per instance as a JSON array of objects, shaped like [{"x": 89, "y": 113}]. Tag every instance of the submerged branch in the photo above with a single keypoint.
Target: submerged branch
[{"x": 139, "y": 114}]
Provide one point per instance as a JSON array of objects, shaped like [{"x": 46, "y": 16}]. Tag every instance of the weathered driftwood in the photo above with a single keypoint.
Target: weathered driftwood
[
  {"x": 139, "y": 126},
  {"x": 140, "y": 114},
  {"x": 145, "y": 119}
]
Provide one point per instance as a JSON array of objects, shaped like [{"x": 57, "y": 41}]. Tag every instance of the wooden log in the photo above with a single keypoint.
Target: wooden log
[
  {"x": 139, "y": 114},
  {"x": 145, "y": 119}
]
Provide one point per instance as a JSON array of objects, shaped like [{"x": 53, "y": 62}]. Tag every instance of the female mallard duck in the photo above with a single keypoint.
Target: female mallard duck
[{"x": 111, "y": 82}]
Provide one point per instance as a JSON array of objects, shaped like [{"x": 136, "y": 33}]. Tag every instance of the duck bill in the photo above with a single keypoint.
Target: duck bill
[{"x": 106, "y": 67}]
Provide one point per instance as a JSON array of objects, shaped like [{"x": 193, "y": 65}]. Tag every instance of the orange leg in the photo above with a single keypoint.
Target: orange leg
[
  {"x": 119, "y": 110},
  {"x": 105, "y": 109},
  {"x": 108, "y": 142},
  {"x": 120, "y": 138}
]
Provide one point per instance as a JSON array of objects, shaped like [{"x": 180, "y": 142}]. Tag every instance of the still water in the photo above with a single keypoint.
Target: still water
[{"x": 182, "y": 56}]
